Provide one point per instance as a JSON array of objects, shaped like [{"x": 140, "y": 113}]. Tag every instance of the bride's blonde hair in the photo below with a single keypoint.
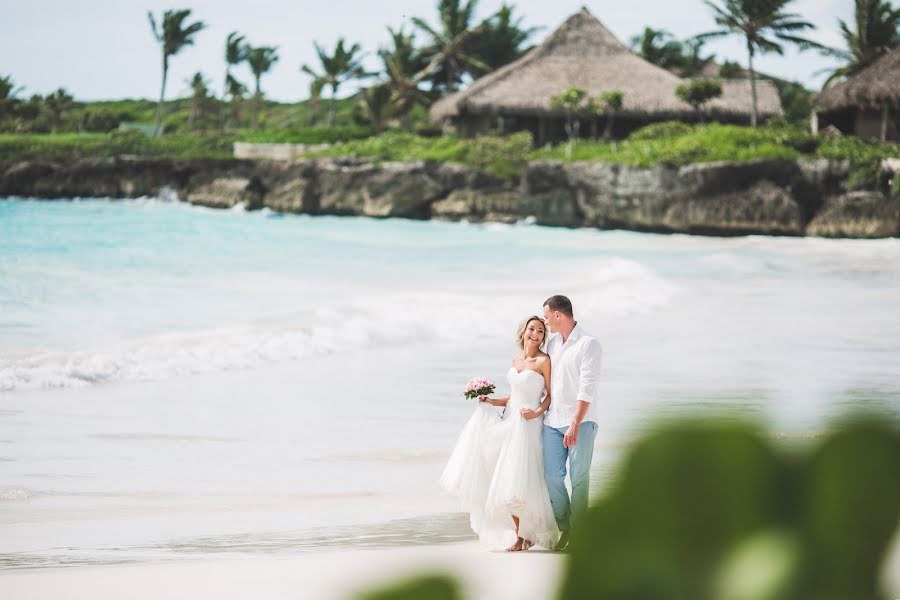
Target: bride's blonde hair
[{"x": 520, "y": 335}]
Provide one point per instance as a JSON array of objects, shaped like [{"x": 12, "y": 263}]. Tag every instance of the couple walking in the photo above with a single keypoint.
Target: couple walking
[{"x": 510, "y": 472}]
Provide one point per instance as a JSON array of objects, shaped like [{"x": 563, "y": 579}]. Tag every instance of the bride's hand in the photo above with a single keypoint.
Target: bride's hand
[
  {"x": 484, "y": 399},
  {"x": 529, "y": 414}
]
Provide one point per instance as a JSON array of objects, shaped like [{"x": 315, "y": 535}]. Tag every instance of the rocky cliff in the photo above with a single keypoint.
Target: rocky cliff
[{"x": 760, "y": 197}]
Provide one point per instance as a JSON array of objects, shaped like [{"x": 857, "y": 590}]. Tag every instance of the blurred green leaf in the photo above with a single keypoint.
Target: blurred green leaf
[
  {"x": 852, "y": 507},
  {"x": 429, "y": 587}
]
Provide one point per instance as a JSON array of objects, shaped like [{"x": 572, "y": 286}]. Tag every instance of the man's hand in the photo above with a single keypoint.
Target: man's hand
[
  {"x": 529, "y": 414},
  {"x": 571, "y": 437}
]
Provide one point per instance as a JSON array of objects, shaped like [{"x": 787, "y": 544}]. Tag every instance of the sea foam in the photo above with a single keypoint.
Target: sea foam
[{"x": 606, "y": 288}]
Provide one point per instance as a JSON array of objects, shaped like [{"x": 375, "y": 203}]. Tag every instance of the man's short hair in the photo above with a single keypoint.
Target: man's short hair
[{"x": 559, "y": 303}]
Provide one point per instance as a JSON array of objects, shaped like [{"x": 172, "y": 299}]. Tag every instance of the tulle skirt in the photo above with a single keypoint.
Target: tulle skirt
[{"x": 497, "y": 471}]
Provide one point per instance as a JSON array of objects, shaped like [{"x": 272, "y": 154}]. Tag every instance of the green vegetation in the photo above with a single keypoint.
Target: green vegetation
[
  {"x": 70, "y": 146},
  {"x": 450, "y": 47},
  {"x": 611, "y": 103},
  {"x": 402, "y": 65},
  {"x": 428, "y": 587},
  {"x": 675, "y": 143},
  {"x": 342, "y": 65},
  {"x": 173, "y": 35},
  {"x": 876, "y": 29},
  {"x": 865, "y": 158},
  {"x": 50, "y": 115},
  {"x": 413, "y": 74},
  {"x": 709, "y": 509},
  {"x": 504, "y": 156},
  {"x": 671, "y": 143},
  {"x": 698, "y": 92},
  {"x": 576, "y": 105},
  {"x": 260, "y": 60},
  {"x": 681, "y": 144},
  {"x": 760, "y": 23},
  {"x": 660, "y": 47},
  {"x": 307, "y": 135}
]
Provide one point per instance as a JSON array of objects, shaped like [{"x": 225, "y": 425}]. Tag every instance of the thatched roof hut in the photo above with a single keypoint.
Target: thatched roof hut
[
  {"x": 864, "y": 102},
  {"x": 583, "y": 53}
]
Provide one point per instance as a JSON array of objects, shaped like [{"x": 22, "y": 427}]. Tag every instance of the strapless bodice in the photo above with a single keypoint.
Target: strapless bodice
[{"x": 526, "y": 388}]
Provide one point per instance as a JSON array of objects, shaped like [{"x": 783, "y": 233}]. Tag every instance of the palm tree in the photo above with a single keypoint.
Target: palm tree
[
  {"x": 8, "y": 88},
  {"x": 403, "y": 64},
  {"x": 8, "y": 93},
  {"x": 659, "y": 47},
  {"x": 200, "y": 98},
  {"x": 692, "y": 61},
  {"x": 877, "y": 29},
  {"x": 449, "y": 50},
  {"x": 375, "y": 103},
  {"x": 235, "y": 54},
  {"x": 172, "y": 36},
  {"x": 501, "y": 40},
  {"x": 58, "y": 104},
  {"x": 343, "y": 65},
  {"x": 236, "y": 91},
  {"x": 758, "y": 21},
  {"x": 260, "y": 60}
]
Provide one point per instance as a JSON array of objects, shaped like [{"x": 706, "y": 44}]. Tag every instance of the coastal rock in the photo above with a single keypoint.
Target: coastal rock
[
  {"x": 764, "y": 208},
  {"x": 19, "y": 178},
  {"x": 858, "y": 215},
  {"x": 611, "y": 195},
  {"x": 766, "y": 197},
  {"x": 121, "y": 177},
  {"x": 386, "y": 190},
  {"x": 497, "y": 205},
  {"x": 453, "y": 176},
  {"x": 715, "y": 178},
  {"x": 292, "y": 196},
  {"x": 290, "y": 187},
  {"x": 226, "y": 192},
  {"x": 546, "y": 190},
  {"x": 824, "y": 172},
  {"x": 84, "y": 178}
]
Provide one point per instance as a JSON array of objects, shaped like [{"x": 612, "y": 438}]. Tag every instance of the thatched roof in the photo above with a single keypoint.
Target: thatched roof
[
  {"x": 583, "y": 53},
  {"x": 873, "y": 87}
]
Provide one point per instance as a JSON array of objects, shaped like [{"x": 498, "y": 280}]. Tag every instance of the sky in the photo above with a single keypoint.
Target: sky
[{"x": 104, "y": 49}]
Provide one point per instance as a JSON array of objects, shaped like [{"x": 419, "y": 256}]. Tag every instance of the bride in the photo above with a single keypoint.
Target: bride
[{"x": 497, "y": 465}]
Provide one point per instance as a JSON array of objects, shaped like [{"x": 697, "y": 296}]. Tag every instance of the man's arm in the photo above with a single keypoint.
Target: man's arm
[
  {"x": 588, "y": 376},
  {"x": 571, "y": 437}
]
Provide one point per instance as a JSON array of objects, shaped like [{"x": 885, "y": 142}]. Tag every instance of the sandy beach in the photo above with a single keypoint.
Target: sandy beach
[
  {"x": 279, "y": 429},
  {"x": 327, "y": 575}
]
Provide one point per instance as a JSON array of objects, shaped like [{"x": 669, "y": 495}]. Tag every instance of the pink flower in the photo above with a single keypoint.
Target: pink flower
[{"x": 478, "y": 387}]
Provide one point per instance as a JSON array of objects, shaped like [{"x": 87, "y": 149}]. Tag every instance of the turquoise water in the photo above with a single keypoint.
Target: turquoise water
[{"x": 177, "y": 379}]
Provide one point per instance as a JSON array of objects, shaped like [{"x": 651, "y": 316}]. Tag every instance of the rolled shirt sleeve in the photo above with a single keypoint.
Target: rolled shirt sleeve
[{"x": 589, "y": 371}]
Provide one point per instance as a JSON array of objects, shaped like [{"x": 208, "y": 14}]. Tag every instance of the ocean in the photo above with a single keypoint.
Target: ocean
[{"x": 179, "y": 382}]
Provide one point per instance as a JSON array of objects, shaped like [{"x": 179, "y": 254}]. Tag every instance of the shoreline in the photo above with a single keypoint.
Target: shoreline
[
  {"x": 324, "y": 575},
  {"x": 804, "y": 197}
]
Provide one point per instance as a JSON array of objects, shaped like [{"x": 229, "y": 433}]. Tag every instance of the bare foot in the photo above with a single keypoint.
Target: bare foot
[
  {"x": 526, "y": 544},
  {"x": 517, "y": 546}
]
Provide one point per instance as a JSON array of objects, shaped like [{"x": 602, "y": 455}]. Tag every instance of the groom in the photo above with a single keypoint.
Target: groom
[{"x": 570, "y": 425}]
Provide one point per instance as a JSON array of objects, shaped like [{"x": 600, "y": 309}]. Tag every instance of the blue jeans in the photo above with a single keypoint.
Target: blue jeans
[{"x": 579, "y": 457}]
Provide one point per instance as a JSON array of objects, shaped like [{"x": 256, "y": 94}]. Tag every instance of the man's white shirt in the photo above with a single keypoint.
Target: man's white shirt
[{"x": 574, "y": 376}]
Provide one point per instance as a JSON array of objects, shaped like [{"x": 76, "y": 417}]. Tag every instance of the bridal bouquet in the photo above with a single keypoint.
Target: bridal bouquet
[{"x": 479, "y": 387}]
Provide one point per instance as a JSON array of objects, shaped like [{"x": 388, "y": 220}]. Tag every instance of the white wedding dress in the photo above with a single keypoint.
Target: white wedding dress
[{"x": 497, "y": 469}]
